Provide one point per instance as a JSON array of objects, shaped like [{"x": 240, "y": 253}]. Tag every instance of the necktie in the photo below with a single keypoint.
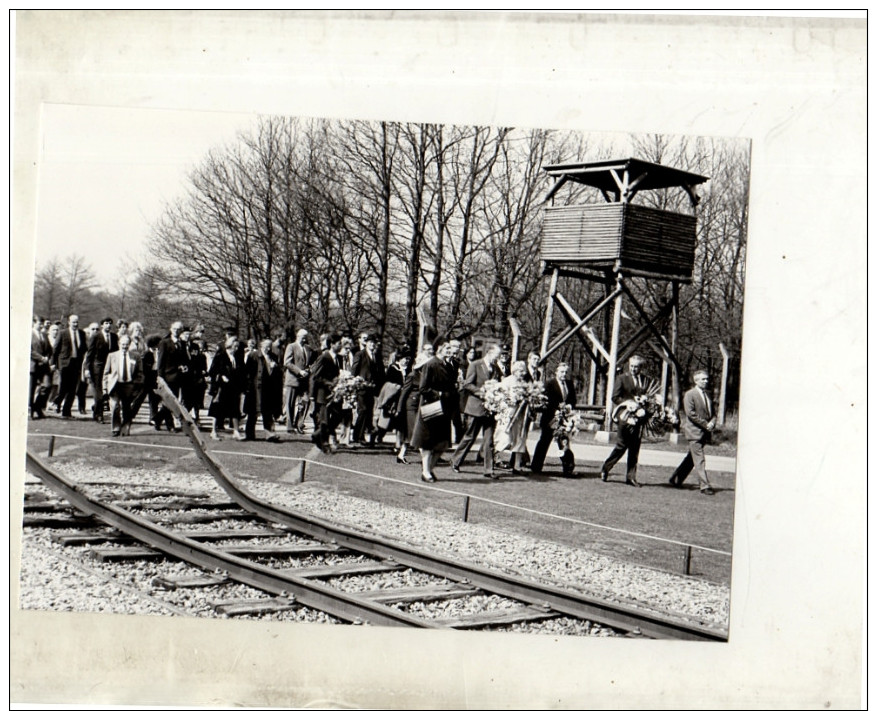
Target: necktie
[
  {"x": 563, "y": 390},
  {"x": 73, "y": 339},
  {"x": 706, "y": 400},
  {"x": 124, "y": 367}
]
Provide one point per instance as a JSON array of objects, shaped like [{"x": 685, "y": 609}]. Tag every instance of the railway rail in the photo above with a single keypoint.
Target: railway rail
[{"x": 306, "y": 585}]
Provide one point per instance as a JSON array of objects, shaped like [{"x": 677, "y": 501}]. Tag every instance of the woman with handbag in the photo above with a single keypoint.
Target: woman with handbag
[
  {"x": 409, "y": 401},
  {"x": 438, "y": 395},
  {"x": 391, "y": 416}
]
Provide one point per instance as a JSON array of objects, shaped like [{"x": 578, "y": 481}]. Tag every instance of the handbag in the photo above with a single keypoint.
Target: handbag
[{"x": 429, "y": 411}]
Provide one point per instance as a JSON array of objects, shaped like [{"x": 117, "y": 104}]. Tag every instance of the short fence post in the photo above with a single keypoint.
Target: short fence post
[
  {"x": 51, "y": 445},
  {"x": 301, "y": 471},
  {"x": 465, "y": 509},
  {"x": 686, "y": 569}
]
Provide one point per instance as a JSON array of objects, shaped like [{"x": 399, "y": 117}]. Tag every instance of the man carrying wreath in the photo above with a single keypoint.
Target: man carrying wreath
[
  {"x": 559, "y": 391},
  {"x": 481, "y": 420},
  {"x": 630, "y": 432}
]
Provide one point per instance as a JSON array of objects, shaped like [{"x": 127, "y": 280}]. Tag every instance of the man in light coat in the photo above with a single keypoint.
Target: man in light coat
[
  {"x": 698, "y": 423},
  {"x": 482, "y": 421},
  {"x": 122, "y": 382},
  {"x": 296, "y": 381}
]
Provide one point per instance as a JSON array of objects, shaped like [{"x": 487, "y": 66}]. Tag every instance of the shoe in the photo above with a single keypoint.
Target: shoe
[
  {"x": 633, "y": 482},
  {"x": 518, "y": 472},
  {"x": 82, "y": 411},
  {"x": 604, "y": 475},
  {"x": 428, "y": 479},
  {"x": 479, "y": 460},
  {"x": 675, "y": 483},
  {"x": 67, "y": 416},
  {"x": 238, "y": 436},
  {"x": 333, "y": 448},
  {"x": 492, "y": 475},
  {"x": 455, "y": 467},
  {"x": 115, "y": 433},
  {"x": 126, "y": 430},
  {"x": 708, "y": 492},
  {"x": 503, "y": 465},
  {"x": 178, "y": 429},
  {"x": 355, "y": 445},
  {"x": 215, "y": 437},
  {"x": 273, "y": 438},
  {"x": 401, "y": 460}
]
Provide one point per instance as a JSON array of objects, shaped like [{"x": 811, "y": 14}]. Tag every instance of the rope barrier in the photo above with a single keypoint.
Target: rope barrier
[{"x": 433, "y": 488}]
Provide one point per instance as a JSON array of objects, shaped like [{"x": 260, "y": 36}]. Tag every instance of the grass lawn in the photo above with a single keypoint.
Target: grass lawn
[{"x": 656, "y": 509}]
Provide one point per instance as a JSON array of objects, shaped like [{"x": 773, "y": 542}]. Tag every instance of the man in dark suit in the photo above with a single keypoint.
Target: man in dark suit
[
  {"x": 122, "y": 381},
  {"x": 534, "y": 372},
  {"x": 698, "y": 423},
  {"x": 453, "y": 352},
  {"x": 40, "y": 367},
  {"x": 71, "y": 354},
  {"x": 323, "y": 376},
  {"x": 627, "y": 387},
  {"x": 100, "y": 346},
  {"x": 559, "y": 390},
  {"x": 482, "y": 421},
  {"x": 367, "y": 364},
  {"x": 172, "y": 364}
]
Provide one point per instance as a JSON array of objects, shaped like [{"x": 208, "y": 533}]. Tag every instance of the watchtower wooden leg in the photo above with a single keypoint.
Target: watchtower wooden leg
[
  {"x": 549, "y": 311},
  {"x": 613, "y": 352}
]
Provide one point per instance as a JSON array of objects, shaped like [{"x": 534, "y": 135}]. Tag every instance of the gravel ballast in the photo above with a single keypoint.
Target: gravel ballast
[{"x": 49, "y": 583}]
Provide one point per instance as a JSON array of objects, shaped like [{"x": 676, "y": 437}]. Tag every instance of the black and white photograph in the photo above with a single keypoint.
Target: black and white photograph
[{"x": 340, "y": 396}]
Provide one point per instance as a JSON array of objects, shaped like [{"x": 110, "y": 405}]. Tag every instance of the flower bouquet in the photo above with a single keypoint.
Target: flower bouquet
[
  {"x": 566, "y": 424},
  {"x": 647, "y": 410},
  {"x": 347, "y": 386},
  {"x": 496, "y": 398}
]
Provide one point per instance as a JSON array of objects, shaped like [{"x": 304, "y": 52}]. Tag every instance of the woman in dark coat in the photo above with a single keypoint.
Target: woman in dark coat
[
  {"x": 392, "y": 414},
  {"x": 409, "y": 400},
  {"x": 227, "y": 382},
  {"x": 433, "y": 436},
  {"x": 193, "y": 394}
]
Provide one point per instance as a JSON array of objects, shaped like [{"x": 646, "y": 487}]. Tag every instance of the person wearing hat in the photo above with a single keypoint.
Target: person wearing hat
[
  {"x": 367, "y": 364},
  {"x": 387, "y": 403},
  {"x": 502, "y": 362},
  {"x": 172, "y": 364},
  {"x": 627, "y": 387},
  {"x": 99, "y": 348}
]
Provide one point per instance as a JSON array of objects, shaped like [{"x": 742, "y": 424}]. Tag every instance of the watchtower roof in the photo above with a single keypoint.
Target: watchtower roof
[{"x": 645, "y": 175}]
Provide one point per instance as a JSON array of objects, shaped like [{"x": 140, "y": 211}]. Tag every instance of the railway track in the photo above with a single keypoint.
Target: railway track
[{"x": 300, "y": 560}]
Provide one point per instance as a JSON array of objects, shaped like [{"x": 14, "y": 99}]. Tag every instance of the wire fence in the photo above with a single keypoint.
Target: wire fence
[{"x": 306, "y": 466}]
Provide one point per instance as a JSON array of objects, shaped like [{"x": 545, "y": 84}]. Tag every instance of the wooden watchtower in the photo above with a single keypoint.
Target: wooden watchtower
[{"x": 612, "y": 243}]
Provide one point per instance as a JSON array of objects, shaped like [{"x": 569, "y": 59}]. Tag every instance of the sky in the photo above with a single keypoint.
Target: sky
[{"x": 105, "y": 174}]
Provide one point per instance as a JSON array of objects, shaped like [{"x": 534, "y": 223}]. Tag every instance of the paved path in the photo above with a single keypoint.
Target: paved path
[{"x": 657, "y": 457}]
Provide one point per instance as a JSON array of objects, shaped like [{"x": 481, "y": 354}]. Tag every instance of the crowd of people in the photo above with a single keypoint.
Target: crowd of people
[{"x": 341, "y": 393}]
